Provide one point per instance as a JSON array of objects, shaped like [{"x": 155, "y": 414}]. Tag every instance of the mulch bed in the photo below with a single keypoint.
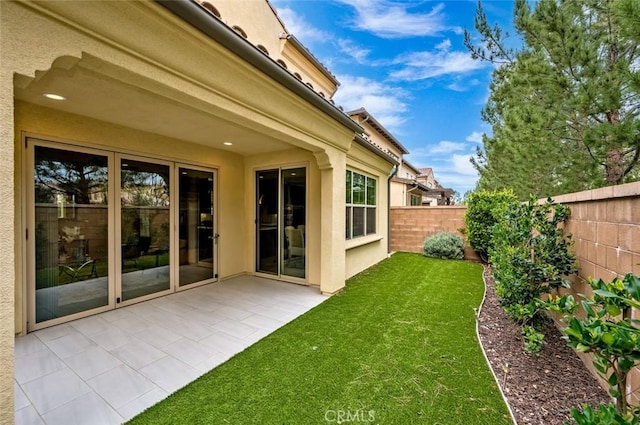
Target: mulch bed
[{"x": 540, "y": 389}]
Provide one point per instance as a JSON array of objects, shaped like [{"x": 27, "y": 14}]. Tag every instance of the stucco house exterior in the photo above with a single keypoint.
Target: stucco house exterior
[
  {"x": 404, "y": 188},
  {"x": 153, "y": 146},
  {"x": 435, "y": 194}
]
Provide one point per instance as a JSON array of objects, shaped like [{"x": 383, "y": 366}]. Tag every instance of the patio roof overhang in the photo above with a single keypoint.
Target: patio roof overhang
[{"x": 165, "y": 85}]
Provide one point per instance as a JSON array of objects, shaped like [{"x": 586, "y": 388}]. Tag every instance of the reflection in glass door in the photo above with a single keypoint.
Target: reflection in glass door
[
  {"x": 70, "y": 232},
  {"x": 267, "y": 221},
  {"x": 294, "y": 188},
  {"x": 281, "y": 220},
  {"x": 144, "y": 228},
  {"x": 196, "y": 231}
]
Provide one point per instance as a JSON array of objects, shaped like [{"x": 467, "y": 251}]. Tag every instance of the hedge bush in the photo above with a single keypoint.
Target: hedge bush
[
  {"x": 444, "y": 245},
  {"x": 484, "y": 209}
]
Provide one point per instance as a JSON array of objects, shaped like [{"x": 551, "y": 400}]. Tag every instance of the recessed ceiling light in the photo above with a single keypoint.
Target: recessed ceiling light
[
  {"x": 184, "y": 173},
  {"x": 53, "y": 96},
  {"x": 227, "y": 143}
]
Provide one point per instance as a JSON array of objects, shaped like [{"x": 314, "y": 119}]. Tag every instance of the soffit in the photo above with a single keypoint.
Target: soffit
[{"x": 108, "y": 93}]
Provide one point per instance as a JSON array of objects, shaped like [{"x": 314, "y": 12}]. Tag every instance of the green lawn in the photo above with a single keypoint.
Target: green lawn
[{"x": 397, "y": 346}]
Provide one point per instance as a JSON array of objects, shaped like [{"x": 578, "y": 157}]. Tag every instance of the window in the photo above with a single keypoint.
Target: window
[
  {"x": 360, "y": 205},
  {"x": 416, "y": 200}
]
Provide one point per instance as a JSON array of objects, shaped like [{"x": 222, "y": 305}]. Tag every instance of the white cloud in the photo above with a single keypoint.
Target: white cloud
[
  {"x": 462, "y": 165},
  {"x": 424, "y": 65},
  {"x": 444, "y": 45},
  {"x": 386, "y": 103},
  {"x": 447, "y": 147},
  {"x": 461, "y": 85},
  {"x": 300, "y": 28},
  {"x": 475, "y": 137},
  {"x": 349, "y": 48},
  {"x": 392, "y": 19}
]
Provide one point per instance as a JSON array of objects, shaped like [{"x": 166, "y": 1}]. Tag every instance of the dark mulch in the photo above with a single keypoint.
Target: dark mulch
[{"x": 540, "y": 389}]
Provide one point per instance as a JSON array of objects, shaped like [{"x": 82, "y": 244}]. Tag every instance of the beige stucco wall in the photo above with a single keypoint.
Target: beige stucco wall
[
  {"x": 7, "y": 239},
  {"x": 262, "y": 26},
  {"x": 398, "y": 194},
  {"x": 379, "y": 140},
  {"x": 366, "y": 251},
  {"x": 256, "y": 18}
]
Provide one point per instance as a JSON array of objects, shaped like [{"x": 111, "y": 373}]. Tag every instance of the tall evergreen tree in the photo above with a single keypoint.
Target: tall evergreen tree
[{"x": 564, "y": 107}]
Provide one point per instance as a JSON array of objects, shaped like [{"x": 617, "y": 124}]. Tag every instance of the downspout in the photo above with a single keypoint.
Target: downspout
[{"x": 394, "y": 171}]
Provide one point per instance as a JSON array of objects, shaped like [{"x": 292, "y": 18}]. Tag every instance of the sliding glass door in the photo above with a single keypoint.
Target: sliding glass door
[
  {"x": 281, "y": 222},
  {"x": 145, "y": 230},
  {"x": 70, "y": 232},
  {"x": 106, "y": 229},
  {"x": 196, "y": 226}
]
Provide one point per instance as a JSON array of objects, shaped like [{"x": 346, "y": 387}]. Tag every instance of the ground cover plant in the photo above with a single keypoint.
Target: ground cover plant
[{"x": 397, "y": 346}]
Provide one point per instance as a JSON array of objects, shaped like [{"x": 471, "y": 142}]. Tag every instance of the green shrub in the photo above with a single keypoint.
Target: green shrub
[
  {"x": 444, "y": 245},
  {"x": 484, "y": 209},
  {"x": 605, "y": 414},
  {"x": 608, "y": 332},
  {"x": 530, "y": 257}
]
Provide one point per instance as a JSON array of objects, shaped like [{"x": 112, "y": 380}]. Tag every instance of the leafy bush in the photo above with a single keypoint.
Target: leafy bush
[
  {"x": 607, "y": 331},
  {"x": 605, "y": 414},
  {"x": 444, "y": 245},
  {"x": 531, "y": 257},
  {"x": 484, "y": 209}
]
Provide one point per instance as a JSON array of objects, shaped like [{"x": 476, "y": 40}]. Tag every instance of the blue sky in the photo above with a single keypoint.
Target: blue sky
[{"x": 405, "y": 62}]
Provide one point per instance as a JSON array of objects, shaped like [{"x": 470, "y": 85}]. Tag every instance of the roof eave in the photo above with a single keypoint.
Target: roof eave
[
  {"x": 363, "y": 142},
  {"x": 216, "y": 30}
]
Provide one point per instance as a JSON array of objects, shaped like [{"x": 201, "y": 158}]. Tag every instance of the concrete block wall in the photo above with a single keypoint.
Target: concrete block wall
[
  {"x": 411, "y": 226},
  {"x": 605, "y": 224}
]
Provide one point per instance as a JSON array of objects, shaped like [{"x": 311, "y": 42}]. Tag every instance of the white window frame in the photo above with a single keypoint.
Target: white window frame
[{"x": 350, "y": 205}]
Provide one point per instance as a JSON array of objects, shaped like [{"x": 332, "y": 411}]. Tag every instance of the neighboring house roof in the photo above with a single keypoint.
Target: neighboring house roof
[
  {"x": 410, "y": 182},
  {"x": 425, "y": 171},
  {"x": 410, "y": 166},
  {"x": 376, "y": 149},
  {"x": 367, "y": 117}
]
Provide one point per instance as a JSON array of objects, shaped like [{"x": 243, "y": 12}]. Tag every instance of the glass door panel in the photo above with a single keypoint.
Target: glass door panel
[
  {"x": 144, "y": 228},
  {"x": 196, "y": 233},
  {"x": 294, "y": 191},
  {"x": 267, "y": 183},
  {"x": 71, "y": 232}
]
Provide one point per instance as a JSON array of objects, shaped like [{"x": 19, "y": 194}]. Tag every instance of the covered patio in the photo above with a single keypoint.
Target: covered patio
[{"x": 106, "y": 368}]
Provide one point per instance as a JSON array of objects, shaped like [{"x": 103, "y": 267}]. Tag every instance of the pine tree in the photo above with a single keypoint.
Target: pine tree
[{"x": 564, "y": 107}]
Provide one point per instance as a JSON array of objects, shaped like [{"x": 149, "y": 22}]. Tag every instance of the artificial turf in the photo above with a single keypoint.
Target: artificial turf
[{"x": 396, "y": 346}]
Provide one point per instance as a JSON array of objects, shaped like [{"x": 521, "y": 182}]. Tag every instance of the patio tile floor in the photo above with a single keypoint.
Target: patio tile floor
[{"x": 107, "y": 368}]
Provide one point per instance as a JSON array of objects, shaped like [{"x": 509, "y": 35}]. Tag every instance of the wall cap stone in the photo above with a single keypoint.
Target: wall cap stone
[{"x": 604, "y": 193}]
